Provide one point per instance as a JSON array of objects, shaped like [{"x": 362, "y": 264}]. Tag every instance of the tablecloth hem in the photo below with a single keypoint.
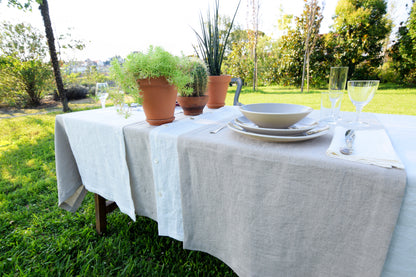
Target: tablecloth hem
[{"x": 381, "y": 164}]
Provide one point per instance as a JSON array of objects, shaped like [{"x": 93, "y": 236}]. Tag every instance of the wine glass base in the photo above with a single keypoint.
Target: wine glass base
[
  {"x": 331, "y": 121},
  {"x": 356, "y": 125}
]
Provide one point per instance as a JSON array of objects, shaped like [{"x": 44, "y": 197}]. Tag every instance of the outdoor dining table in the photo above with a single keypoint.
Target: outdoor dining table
[{"x": 263, "y": 208}]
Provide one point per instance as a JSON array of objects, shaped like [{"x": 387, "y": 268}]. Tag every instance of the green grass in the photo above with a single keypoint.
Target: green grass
[
  {"x": 37, "y": 238},
  {"x": 388, "y": 99}
]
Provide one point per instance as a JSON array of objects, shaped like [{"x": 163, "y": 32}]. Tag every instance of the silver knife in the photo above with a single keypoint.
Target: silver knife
[{"x": 316, "y": 130}]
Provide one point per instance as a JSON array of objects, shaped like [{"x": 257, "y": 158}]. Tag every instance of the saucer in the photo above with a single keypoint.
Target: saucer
[
  {"x": 276, "y": 138},
  {"x": 302, "y": 126}
]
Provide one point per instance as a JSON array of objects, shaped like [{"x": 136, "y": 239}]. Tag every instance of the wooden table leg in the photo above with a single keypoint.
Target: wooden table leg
[{"x": 102, "y": 208}]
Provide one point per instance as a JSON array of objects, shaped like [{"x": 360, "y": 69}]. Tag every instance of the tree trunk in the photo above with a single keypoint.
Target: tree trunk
[
  {"x": 312, "y": 10},
  {"x": 255, "y": 67},
  {"x": 307, "y": 71},
  {"x": 255, "y": 21},
  {"x": 44, "y": 10},
  {"x": 305, "y": 60}
]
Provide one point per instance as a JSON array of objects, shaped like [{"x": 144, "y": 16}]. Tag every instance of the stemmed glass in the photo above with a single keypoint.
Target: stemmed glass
[
  {"x": 101, "y": 91},
  {"x": 337, "y": 82},
  {"x": 361, "y": 93}
]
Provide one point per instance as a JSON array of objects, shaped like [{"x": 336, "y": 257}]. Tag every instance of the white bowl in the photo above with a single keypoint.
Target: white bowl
[{"x": 275, "y": 115}]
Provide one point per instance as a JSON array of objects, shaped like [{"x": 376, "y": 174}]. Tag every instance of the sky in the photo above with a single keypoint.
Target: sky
[{"x": 111, "y": 28}]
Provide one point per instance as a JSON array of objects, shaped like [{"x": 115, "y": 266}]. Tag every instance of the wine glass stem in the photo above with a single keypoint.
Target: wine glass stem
[
  {"x": 357, "y": 118},
  {"x": 103, "y": 104},
  {"x": 333, "y": 105}
]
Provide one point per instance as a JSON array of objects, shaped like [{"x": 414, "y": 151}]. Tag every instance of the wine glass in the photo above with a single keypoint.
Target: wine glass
[
  {"x": 101, "y": 91},
  {"x": 361, "y": 93},
  {"x": 337, "y": 82}
]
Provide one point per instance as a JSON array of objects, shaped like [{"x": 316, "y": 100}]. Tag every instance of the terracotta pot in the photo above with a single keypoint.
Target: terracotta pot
[
  {"x": 217, "y": 90},
  {"x": 159, "y": 100},
  {"x": 193, "y": 105}
]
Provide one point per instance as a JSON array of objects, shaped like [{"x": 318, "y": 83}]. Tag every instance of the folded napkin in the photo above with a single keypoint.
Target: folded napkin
[{"x": 370, "y": 147}]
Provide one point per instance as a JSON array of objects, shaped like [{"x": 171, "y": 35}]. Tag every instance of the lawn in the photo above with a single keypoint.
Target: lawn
[
  {"x": 37, "y": 238},
  {"x": 388, "y": 99}
]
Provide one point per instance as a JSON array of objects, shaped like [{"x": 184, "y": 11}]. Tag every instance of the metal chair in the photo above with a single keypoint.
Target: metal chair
[{"x": 239, "y": 83}]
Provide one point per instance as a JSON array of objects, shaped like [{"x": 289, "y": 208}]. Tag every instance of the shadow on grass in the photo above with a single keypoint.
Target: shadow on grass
[{"x": 41, "y": 239}]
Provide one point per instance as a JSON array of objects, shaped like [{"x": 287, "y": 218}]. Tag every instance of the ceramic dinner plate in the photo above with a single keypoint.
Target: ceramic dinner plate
[
  {"x": 302, "y": 126},
  {"x": 274, "y": 138}
]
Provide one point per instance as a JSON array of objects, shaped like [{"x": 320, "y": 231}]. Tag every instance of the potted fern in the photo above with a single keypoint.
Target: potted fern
[
  {"x": 211, "y": 48},
  {"x": 194, "y": 100},
  {"x": 157, "y": 76}
]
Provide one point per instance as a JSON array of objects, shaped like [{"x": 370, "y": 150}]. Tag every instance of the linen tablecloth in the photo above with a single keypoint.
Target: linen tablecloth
[
  {"x": 269, "y": 208},
  {"x": 97, "y": 143},
  {"x": 286, "y": 210},
  {"x": 401, "y": 258},
  {"x": 165, "y": 165}
]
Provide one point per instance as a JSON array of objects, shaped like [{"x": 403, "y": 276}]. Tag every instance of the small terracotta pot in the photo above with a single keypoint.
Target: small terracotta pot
[
  {"x": 159, "y": 100},
  {"x": 217, "y": 90},
  {"x": 193, "y": 105}
]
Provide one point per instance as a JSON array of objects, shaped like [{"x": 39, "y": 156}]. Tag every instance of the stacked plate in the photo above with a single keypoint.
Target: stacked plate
[{"x": 277, "y": 122}]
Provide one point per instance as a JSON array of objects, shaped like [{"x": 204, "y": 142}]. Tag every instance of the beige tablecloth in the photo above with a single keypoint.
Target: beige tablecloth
[
  {"x": 265, "y": 209},
  {"x": 286, "y": 209}
]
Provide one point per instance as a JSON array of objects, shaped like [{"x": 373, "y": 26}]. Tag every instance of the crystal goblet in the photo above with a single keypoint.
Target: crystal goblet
[
  {"x": 101, "y": 91},
  {"x": 360, "y": 93}
]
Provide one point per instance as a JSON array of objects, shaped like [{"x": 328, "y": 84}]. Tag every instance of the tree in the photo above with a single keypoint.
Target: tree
[
  {"x": 403, "y": 51},
  {"x": 284, "y": 22},
  {"x": 240, "y": 60},
  {"x": 412, "y": 23},
  {"x": 253, "y": 35},
  {"x": 22, "y": 67},
  {"x": 361, "y": 27},
  {"x": 22, "y": 42},
  {"x": 291, "y": 49},
  {"x": 292, "y": 52},
  {"x": 312, "y": 23},
  {"x": 44, "y": 9}
]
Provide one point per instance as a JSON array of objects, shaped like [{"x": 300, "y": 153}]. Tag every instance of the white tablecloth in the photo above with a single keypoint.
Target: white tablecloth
[
  {"x": 401, "y": 129},
  {"x": 401, "y": 258},
  {"x": 165, "y": 158},
  {"x": 97, "y": 142}
]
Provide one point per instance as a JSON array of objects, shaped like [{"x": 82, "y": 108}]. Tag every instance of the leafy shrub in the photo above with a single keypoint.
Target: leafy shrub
[
  {"x": 23, "y": 83},
  {"x": 410, "y": 79},
  {"x": 12, "y": 98},
  {"x": 74, "y": 93},
  {"x": 388, "y": 74},
  {"x": 365, "y": 71}
]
